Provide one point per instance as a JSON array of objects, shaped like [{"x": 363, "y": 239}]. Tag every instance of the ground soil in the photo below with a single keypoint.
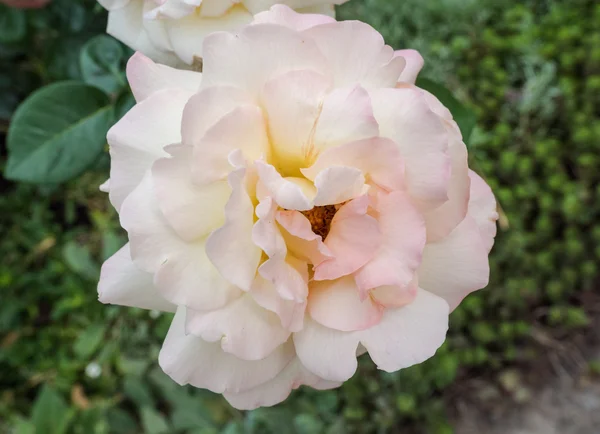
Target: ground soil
[{"x": 559, "y": 394}]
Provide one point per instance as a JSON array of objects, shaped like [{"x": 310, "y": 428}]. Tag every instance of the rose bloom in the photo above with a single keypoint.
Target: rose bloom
[
  {"x": 171, "y": 31},
  {"x": 297, "y": 204}
]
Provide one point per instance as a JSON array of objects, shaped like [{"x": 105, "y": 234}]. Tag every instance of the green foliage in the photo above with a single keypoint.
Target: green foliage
[
  {"x": 100, "y": 61},
  {"x": 13, "y": 25},
  {"x": 50, "y": 140},
  {"x": 528, "y": 70},
  {"x": 50, "y": 413}
]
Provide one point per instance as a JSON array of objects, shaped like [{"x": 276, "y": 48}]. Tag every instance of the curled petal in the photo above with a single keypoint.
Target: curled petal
[
  {"x": 482, "y": 207},
  {"x": 357, "y": 54},
  {"x": 284, "y": 16},
  {"x": 188, "y": 359},
  {"x": 327, "y": 353},
  {"x": 350, "y": 107},
  {"x": 193, "y": 211},
  {"x": 337, "y": 305},
  {"x": 243, "y": 128},
  {"x": 405, "y": 117},
  {"x": 403, "y": 238},
  {"x": 243, "y": 328},
  {"x": 188, "y": 278},
  {"x": 188, "y": 33},
  {"x": 353, "y": 240},
  {"x": 126, "y": 24},
  {"x": 105, "y": 186},
  {"x": 257, "y": 54},
  {"x": 151, "y": 237},
  {"x": 205, "y": 108},
  {"x": 278, "y": 389},
  {"x": 122, "y": 283},
  {"x": 379, "y": 160},
  {"x": 288, "y": 274},
  {"x": 414, "y": 64},
  {"x": 457, "y": 265},
  {"x": 442, "y": 220},
  {"x": 182, "y": 272},
  {"x": 299, "y": 238},
  {"x": 230, "y": 248},
  {"x": 138, "y": 139},
  {"x": 146, "y": 77},
  {"x": 395, "y": 296},
  {"x": 337, "y": 185},
  {"x": 173, "y": 9},
  {"x": 403, "y": 338},
  {"x": 287, "y": 193},
  {"x": 290, "y": 312}
]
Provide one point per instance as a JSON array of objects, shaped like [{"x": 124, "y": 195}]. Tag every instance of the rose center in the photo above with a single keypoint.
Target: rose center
[{"x": 320, "y": 218}]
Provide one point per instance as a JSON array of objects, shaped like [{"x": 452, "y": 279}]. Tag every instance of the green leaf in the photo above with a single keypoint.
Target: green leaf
[
  {"x": 138, "y": 392},
  {"x": 153, "y": 422},
  {"x": 23, "y": 426},
  {"x": 57, "y": 133},
  {"x": 79, "y": 259},
  {"x": 100, "y": 60},
  {"x": 133, "y": 367},
  {"x": 187, "y": 411},
  {"x": 51, "y": 413},
  {"x": 233, "y": 428},
  {"x": 308, "y": 424},
  {"x": 276, "y": 420},
  {"x": 111, "y": 243},
  {"x": 124, "y": 104},
  {"x": 464, "y": 117},
  {"x": 13, "y": 25},
  {"x": 121, "y": 422},
  {"x": 88, "y": 342}
]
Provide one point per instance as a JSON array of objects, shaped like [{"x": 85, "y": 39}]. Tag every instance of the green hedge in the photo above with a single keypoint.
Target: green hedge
[{"x": 529, "y": 69}]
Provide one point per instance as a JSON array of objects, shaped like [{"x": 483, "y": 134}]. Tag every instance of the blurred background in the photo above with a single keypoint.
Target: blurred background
[{"x": 522, "y": 356}]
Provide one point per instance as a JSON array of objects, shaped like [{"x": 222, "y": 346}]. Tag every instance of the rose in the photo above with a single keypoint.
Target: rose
[
  {"x": 171, "y": 31},
  {"x": 25, "y": 4},
  {"x": 297, "y": 204}
]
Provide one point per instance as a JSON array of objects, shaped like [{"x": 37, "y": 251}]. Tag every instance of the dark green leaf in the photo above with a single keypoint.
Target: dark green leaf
[
  {"x": 188, "y": 411},
  {"x": 57, "y": 133},
  {"x": 138, "y": 392},
  {"x": 100, "y": 60},
  {"x": 79, "y": 259},
  {"x": 50, "y": 412},
  {"x": 153, "y": 422},
  {"x": 121, "y": 422},
  {"x": 124, "y": 103},
  {"x": 111, "y": 242},
  {"x": 338, "y": 427},
  {"x": 88, "y": 342},
  {"x": 13, "y": 25},
  {"x": 276, "y": 420},
  {"x": 464, "y": 117}
]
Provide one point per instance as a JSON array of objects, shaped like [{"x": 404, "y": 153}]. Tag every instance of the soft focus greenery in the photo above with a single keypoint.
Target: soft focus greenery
[{"x": 529, "y": 69}]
